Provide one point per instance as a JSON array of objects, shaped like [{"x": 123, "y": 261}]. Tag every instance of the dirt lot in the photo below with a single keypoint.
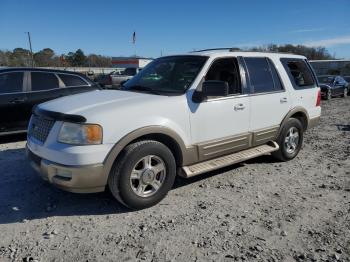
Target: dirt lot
[{"x": 261, "y": 210}]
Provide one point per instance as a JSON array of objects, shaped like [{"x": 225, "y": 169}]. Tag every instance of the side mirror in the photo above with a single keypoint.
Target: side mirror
[{"x": 211, "y": 89}]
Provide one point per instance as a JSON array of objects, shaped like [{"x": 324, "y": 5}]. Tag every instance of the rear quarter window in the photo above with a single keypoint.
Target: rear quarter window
[
  {"x": 299, "y": 73},
  {"x": 72, "y": 80}
]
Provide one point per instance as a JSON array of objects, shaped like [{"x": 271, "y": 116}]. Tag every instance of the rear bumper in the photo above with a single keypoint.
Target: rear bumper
[
  {"x": 313, "y": 122},
  {"x": 77, "y": 179}
]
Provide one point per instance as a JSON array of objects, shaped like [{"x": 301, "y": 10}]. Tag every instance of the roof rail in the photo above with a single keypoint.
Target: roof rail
[{"x": 229, "y": 49}]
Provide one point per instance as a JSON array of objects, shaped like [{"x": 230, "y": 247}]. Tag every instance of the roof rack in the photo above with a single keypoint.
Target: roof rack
[{"x": 229, "y": 49}]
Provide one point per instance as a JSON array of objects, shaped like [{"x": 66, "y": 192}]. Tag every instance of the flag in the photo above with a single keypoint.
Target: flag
[{"x": 134, "y": 37}]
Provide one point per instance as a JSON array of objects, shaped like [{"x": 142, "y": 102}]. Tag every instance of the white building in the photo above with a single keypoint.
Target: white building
[{"x": 130, "y": 62}]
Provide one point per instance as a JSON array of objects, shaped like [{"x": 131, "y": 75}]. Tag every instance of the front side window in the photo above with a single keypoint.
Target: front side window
[
  {"x": 299, "y": 73},
  {"x": 72, "y": 80},
  {"x": 226, "y": 69},
  {"x": 168, "y": 75},
  {"x": 11, "y": 82},
  {"x": 260, "y": 76},
  {"x": 43, "y": 81}
]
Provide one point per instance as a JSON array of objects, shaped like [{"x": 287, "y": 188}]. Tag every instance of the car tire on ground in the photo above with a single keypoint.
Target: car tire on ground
[
  {"x": 328, "y": 95},
  {"x": 289, "y": 140},
  {"x": 143, "y": 174}
]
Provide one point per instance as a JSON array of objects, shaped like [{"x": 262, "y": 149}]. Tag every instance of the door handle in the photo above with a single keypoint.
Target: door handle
[
  {"x": 283, "y": 100},
  {"x": 17, "y": 101},
  {"x": 239, "y": 107}
]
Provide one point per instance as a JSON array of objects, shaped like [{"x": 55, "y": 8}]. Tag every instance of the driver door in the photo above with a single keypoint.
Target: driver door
[{"x": 220, "y": 125}]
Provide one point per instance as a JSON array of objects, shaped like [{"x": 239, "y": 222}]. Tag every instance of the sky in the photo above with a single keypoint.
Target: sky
[{"x": 168, "y": 27}]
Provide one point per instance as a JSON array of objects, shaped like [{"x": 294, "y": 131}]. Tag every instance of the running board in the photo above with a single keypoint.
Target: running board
[{"x": 216, "y": 163}]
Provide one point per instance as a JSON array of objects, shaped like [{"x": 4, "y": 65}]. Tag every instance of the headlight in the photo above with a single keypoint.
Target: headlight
[{"x": 80, "y": 134}]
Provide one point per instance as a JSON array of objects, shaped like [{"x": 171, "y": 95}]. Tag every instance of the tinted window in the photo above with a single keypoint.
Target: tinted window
[
  {"x": 276, "y": 78},
  {"x": 11, "y": 82},
  {"x": 226, "y": 69},
  {"x": 43, "y": 81},
  {"x": 130, "y": 71},
  {"x": 326, "y": 79},
  {"x": 259, "y": 74},
  {"x": 299, "y": 73},
  {"x": 71, "y": 80}
]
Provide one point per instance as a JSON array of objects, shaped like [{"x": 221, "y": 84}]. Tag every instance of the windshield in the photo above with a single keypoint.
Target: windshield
[
  {"x": 173, "y": 74},
  {"x": 326, "y": 79}
]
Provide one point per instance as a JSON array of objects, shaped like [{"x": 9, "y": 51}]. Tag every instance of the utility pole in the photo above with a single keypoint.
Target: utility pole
[{"x": 31, "y": 50}]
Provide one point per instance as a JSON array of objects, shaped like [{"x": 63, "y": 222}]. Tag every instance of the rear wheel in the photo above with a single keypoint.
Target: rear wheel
[
  {"x": 290, "y": 140},
  {"x": 345, "y": 94},
  {"x": 143, "y": 175},
  {"x": 328, "y": 95}
]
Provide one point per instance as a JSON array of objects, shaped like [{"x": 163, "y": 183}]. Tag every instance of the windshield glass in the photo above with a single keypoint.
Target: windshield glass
[
  {"x": 326, "y": 79},
  {"x": 173, "y": 74}
]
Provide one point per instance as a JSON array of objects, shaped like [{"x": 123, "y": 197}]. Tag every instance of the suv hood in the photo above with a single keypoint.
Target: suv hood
[{"x": 93, "y": 102}]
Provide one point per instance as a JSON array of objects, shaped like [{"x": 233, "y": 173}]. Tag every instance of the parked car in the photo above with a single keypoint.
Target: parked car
[
  {"x": 333, "y": 86},
  {"x": 182, "y": 115},
  {"x": 347, "y": 79},
  {"x": 120, "y": 77},
  {"x": 104, "y": 80},
  {"x": 22, "y": 88}
]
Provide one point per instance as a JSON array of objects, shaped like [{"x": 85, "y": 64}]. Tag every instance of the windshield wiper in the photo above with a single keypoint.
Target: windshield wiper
[{"x": 142, "y": 88}]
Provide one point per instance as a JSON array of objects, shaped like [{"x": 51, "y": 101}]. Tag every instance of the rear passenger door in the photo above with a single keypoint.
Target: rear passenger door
[
  {"x": 269, "y": 99},
  {"x": 44, "y": 86},
  {"x": 74, "y": 84},
  {"x": 12, "y": 102}
]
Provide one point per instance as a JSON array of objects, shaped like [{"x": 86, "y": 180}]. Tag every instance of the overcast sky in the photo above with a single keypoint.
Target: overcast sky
[{"x": 168, "y": 27}]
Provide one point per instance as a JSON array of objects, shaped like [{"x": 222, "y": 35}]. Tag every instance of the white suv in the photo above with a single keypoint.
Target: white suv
[{"x": 181, "y": 115}]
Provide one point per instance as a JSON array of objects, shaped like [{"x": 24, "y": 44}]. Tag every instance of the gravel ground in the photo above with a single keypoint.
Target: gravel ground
[{"x": 261, "y": 210}]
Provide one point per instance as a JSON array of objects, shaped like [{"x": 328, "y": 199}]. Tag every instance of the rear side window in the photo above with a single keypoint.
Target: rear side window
[
  {"x": 299, "y": 73},
  {"x": 130, "y": 71},
  {"x": 43, "y": 81},
  {"x": 72, "y": 80},
  {"x": 262, "y": 78},
  {"x": 11, "y": 82}
]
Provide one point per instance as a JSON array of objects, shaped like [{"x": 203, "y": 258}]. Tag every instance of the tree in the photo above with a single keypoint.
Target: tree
[
  {"x": 44, "y": 57},
  {"x": 79, "y": 58},
  {"x": 20, "y": 57}
]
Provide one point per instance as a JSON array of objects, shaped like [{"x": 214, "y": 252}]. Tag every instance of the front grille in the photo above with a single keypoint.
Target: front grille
[{"x": 40, "y": 127}]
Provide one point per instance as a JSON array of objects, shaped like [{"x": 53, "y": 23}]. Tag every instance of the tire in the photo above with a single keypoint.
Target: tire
[
  {"x": 345, "y": 92},
  {"x": 141, "y": 168},
  {"x": 328, "y": 95},
  {"x": 285, "y": 153}
]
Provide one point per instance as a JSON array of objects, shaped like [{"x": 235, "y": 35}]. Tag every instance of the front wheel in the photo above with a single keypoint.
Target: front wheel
[
  {"x": 143, "y": 175},
  {"x": 328, "y": 95},
  {"x": 289, "y": 140}
]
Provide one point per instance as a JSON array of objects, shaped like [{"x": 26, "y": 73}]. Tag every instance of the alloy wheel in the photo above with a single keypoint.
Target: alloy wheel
[
  {"x": 148, "y": 176},
  {"x": 291, "y": 141}
]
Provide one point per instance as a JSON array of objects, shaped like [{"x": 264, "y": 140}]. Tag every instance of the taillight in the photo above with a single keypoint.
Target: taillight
[{"x": 318, "y": 101}]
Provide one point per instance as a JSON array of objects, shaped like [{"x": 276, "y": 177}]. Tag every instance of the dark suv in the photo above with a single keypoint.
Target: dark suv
[{"x": 22, "y": 88}]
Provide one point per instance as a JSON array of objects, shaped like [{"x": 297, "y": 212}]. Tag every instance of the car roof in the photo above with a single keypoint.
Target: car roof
[
  {"x": 38, "y": 69},
  {"x": 226, "y": 52}
]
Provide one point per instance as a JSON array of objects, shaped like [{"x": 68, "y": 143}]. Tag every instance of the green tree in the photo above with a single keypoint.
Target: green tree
[{"x": 45, "y": 57}]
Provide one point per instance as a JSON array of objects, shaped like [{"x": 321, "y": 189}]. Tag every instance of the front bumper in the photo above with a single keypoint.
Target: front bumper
[{"x": 77, "y": 179}]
